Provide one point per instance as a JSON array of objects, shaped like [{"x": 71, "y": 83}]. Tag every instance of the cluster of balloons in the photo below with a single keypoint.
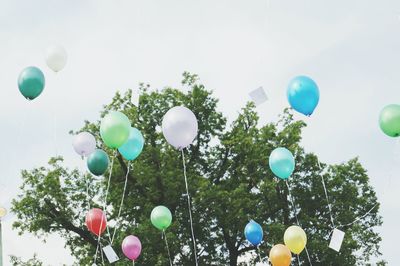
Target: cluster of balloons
[
  {"x": 295, "y": 240},
  {"x": 179, "y": 127},
  {"x": 31, "y": 80},
  {"x": 116, "y": 132}
]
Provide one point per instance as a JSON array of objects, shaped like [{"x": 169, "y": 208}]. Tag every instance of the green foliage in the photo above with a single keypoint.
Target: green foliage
[
  {"x": 229, "y": 181},
  {"x": 15, "y": 261}
]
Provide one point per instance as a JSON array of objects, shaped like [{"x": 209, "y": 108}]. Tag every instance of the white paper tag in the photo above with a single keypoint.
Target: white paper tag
[
  {"x": 258, "y": 96},
  {"x": 336, "y": 240},
  {"x": 110, "y": 254}
]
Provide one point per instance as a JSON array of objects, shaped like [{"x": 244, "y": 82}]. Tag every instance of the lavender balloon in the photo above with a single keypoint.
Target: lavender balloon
[
  {"x": 84, "y": 143},
  {"x": 131, "y": 247},
  {"x": 179, "y": 127}
]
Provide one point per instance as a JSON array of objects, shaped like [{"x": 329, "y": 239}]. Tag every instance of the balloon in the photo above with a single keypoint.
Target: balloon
[
  {"x": 280, "y": 255},
  {"x": 114, "y": 129},
  {"x": 31, "y": 82},
  {"x": 253, "y": 233},
  {"x": 56, "y": 57},
  {"x": 131, "y": 247},
  {"x": 295, "y": 239},
  {"x": 179, "y": 127},
  {"x": 96, "y": 221},
  {"x": 84, "y": 143},
  {"x": 303, "y": 95},
  {"x": 3, "y": 212},
  {"x": 281, "y": 162},
  {"x": 161, "y": 217},
  {"x": 389, "y": 120},
  {"x": 97, "y": 162},
  {"x": 131, "y": 149}
]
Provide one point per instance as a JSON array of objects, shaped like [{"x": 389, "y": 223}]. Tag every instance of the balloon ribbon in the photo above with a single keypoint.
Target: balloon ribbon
[{"x": 189, "y": 207}]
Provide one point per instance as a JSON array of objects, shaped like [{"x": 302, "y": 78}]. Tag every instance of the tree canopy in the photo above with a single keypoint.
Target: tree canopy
[{"x": 229, "y": 182}]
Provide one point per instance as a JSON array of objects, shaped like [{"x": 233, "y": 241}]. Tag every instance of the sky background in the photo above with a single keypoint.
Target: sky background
[{"x": 350, "y": 48}]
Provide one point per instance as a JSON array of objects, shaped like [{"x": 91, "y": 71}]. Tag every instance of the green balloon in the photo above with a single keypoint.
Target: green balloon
[
  {"x": 389, "y": 120},
  {"x": 161, "y": 217},
  {"x": 114, "y": 129},
  {"x": 97, "y": 162},
  {"x": 31, "y": 82}
]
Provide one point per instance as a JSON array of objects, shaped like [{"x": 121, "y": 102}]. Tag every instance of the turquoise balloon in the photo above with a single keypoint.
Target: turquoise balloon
[
  {"x": 31, "y": 82},
  {"x": 281, "y": 162},
  {"x": 97, "y": 162},
  {"x": 303, "y": 95},
  {"x": 132, "y": 148}
]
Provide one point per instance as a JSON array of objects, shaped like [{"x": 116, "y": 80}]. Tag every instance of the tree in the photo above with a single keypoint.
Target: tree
[{"x": 229, "y": 181}]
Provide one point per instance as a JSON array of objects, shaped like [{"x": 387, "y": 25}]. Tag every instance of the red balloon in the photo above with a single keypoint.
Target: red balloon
[{"x": 96, "y": 221}]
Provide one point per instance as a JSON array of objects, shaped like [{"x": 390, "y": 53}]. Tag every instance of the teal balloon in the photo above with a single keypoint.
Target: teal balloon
[
  {"x": 97, "y": 162},
  {"x": 389, "y": 120},
  {"x": 281, "y": 162},
  {"x": 132, "y": 148},
  {"x": 303, "y": 95},
  {"x": 31, "y": 82}
]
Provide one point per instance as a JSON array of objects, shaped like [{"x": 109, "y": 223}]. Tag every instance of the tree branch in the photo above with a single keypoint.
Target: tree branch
[{"x": 67, "y": 225}]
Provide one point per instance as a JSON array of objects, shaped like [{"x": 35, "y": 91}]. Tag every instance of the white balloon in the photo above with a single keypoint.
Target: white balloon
[
  {"x": 179, "y": 127},
  {"x": 84, "y": 143},
  {"x": 56, "y": 57}
]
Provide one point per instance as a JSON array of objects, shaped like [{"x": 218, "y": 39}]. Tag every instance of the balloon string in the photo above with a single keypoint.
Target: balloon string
[
  {"x": 122, "y": 201},
  {"x": 102, "y": 255},
  {"x": 359, "y": 218},
  {"x": 166, "y": 244},
  {"x": 297, "y": 220},
  {"x": 104, "y": 207},
  {"x": 292, "y": 202},
  {"x": 326, "y": 195},
  {"x": 107, "y": 190},
  {"x": 189, "y": 207},
  {"x": 87, "y": 186}
]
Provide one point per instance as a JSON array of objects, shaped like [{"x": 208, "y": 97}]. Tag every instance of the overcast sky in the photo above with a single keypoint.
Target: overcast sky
[{"x": 350, "y": 48}]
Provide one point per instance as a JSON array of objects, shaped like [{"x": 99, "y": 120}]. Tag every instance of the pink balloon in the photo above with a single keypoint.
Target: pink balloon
[{"x": 131, "y": 247}]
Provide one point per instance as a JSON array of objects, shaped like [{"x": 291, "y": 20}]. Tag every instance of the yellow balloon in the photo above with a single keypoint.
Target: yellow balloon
[
  {"x": 295, "y": 239},
  {"x": 280, "y": 255},
  {"x": 3, "y": 212}
]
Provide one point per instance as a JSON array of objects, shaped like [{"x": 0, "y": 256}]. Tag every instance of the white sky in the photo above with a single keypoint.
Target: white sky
[{"x": 350, "y": 48}]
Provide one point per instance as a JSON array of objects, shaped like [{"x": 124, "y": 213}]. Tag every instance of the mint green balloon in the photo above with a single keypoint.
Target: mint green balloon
[
  {"x": 389, "y": 120},
  {"x": 161, "y": 217},
  {"x": 114, "y": 129},
  {"x": 31, "y": 82},
  {"x": 97, "y": 162}
]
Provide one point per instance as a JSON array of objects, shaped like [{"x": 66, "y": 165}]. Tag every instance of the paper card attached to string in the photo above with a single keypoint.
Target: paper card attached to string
[
  {"x": 336, "y": 240},
  {"x": 110, "y": 254},
  {"x": 258, "y": 96}
]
